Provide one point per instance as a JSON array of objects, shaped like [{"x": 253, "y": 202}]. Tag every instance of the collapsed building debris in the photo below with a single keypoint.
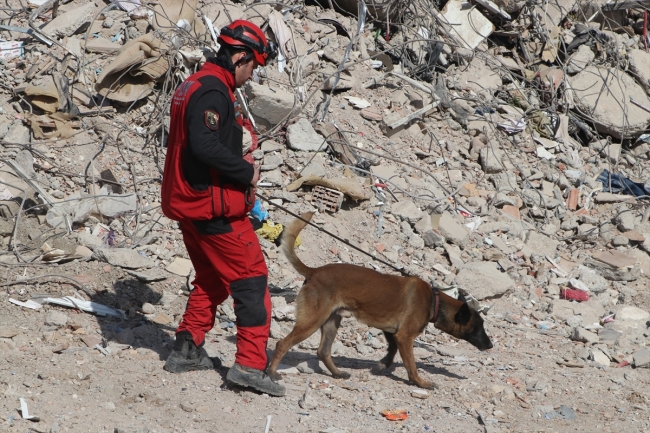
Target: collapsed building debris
[{"x": 498, "y": 149}]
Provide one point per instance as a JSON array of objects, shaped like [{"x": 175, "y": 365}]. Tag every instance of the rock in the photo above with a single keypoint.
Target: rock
[
  {"x": 304, "y": 368},
  {"x": 287, "y": 369},
  {"x": 161, "y": 319},
  {"x": 126, "y": 337},
  {"x": 580, "y": 59},
  {"x": 308, "y": 401},
  {"x": 607, "y": 335},
  {"x": 450, "y": 351},
  {"x": 271, "y": 161},
  {"x": 68, "y": 23},
  {"x": 612, "y": 152},
  {"x": 642, "y": 358},
  {"x": 407, "y": 210},
  {"x": 269, "y": 106},
  {"x": 605, "y": 106},
  {"x": 620, "y": 241},
  {"x": 581, "y": 334},
  {"x": 419, "y": 393},
  {"x": 148, "y": 277},
  {"x": 180, "y": 266},
  {"x": 630, "y": 313},
  {"x": 7, "y": 331},
  {"x": 625, "y": 220},
  {"x": 123, "y": 258},
  {"x": 431, "y": 238},
  {"x": 452, "y": 231},
  {"x": 540, "y": 243},
  {"x": 595, "y": 282},
  {"x": 599, "y": 357},
  {"x": 483, "y": 280},
  {"x": 56, "y": 318},
  {"x": 18, "y": 133},
  {"x": 491, "y": 160},
  {"x": 187, "y": 407},
  {"x": 83, "y": 251},
  {"x": 302, "y": 136},
  {"x": 25, "y": 161},
  {"x": 588, "y": 230},
  {"x": 271, "y": 146},
  {"x": 110, "y": 406},
  {"x": 148, "y": 308}
]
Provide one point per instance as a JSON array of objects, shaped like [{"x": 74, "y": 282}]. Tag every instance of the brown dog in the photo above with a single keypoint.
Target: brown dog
[{"x": 399, "y": 306}]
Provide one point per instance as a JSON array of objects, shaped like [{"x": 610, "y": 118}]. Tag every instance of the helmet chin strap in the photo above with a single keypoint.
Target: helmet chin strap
[{"x": 233, "y": 66}]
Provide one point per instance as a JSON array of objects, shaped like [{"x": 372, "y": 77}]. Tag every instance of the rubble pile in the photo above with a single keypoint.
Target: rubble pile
[{"x": 496, "y": 149}]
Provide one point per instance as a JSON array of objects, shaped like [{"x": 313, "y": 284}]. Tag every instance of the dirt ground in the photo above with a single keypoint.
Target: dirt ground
[{"x": 519, "y": 386}]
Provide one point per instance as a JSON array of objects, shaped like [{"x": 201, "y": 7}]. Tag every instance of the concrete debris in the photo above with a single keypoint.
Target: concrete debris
[
  {"x": 483, "y": 280},
  {"x": 302, "y": 136},
  {"x": 461, "y": 142}
]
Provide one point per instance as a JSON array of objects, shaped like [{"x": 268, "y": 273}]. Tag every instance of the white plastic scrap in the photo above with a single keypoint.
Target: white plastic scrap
[
  {"x": 29, "y": 304},
  {"x": 87, "y": 306},
  {"x": 580, "y": 285},
  {"x": 513, "y": 126},
  {"x": 24, "y": 411}
]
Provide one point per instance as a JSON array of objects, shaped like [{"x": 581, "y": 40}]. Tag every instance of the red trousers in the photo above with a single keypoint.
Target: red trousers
[{"x": 229, "y": 264}]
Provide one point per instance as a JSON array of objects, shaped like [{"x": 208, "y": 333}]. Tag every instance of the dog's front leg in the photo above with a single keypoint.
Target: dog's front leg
[
  {"x": 387, "y": 360},
  {"x": 405, "y": 346}
]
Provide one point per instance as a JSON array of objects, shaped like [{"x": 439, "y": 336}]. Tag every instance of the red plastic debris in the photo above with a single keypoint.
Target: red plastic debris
[
  {"x": 395, "y": 415},
  {"x": 623, "y": 364},
  {"x": 574, "y": 295}
]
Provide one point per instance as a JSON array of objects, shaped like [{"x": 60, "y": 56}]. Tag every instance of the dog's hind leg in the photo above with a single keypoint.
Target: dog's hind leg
[
  {"x": 328, "y": 333},
  {"x": 387, "y": 360}
]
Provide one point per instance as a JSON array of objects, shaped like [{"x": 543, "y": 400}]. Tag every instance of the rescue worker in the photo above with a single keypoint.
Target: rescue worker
[{"x": 208, "y": 186}]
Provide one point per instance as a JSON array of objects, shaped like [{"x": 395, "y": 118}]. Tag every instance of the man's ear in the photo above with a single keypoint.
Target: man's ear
[{"x": 463, "y": 315}]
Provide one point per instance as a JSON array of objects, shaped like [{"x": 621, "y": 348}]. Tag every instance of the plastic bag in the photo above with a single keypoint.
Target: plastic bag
[{"x": 259, "y": 211}]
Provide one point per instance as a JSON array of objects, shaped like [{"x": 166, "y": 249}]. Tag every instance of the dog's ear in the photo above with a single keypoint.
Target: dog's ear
[{"x": 463, "y": 315}]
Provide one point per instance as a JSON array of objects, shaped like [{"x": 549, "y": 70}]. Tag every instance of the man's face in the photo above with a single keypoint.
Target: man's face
[{"x": 244, "y": 71}]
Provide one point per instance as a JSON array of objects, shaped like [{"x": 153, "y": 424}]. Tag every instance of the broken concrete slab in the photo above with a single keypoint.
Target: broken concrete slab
[
  {"x": 430, "y": 237},
  {"x": 453, "y": 231},
  {"x": 68, "y": 23},
  {"x": 466, "y": 23},
  {"x": 642, "y": 358},
  {"x": 582, "y": 335},
  {"x": 640, "y": 68},
  {"x": 180, "y": 266},
  {"x": 269, "y": 106},
  {"x": 491, "y": 159},
  {"x": 606, "y": 96},
  {"x": 302, "y": 136},
  {"x": 580, "y": 59},
  {"x": 483, "y": 280},
  {"x": 407, "y": 210},
  {"x": 541, "y": 243},
  {"x": 123, "y": 257}
]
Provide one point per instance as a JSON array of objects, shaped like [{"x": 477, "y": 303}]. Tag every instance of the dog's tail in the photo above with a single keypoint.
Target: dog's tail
[{"x": 289, "y": 235}]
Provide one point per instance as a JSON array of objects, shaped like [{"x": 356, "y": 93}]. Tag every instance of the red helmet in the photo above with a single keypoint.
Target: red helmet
[{"x": 242, "y": 33}]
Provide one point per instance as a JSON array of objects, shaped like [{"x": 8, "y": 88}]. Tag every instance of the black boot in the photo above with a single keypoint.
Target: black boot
[
  {"x": 186, "y": 356},
  {"x": 256, "y": 379}
]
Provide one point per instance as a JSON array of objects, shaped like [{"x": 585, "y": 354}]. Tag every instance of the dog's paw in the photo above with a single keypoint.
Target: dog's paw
[
  {"x": 341, "y": 375},
  {"x": 427, "y": 385},
  {"x": 379, "y": 368}
]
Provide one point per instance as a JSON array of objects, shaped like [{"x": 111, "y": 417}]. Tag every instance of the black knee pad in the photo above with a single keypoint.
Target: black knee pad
[{"x": 249, "y": 301}]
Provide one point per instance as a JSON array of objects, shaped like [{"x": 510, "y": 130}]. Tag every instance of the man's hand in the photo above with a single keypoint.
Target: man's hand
[{"x": 256, "y": 174}]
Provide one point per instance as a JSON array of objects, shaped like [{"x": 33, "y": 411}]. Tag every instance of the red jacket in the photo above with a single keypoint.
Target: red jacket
[{"x": 205, "y": 174}]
